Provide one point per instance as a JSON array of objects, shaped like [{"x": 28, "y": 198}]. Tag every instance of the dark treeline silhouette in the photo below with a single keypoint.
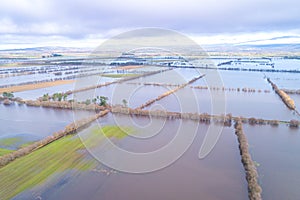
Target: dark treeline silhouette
[
  {"x": 239, "y": 69},
  {"x": 253, "y": 70},
  {"x": 288, "y": 91},
  {"x": 254, "y": 189}
]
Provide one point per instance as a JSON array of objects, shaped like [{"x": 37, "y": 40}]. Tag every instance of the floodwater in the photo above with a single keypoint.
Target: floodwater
[
  {"x": 289, "y": 81},
  {"x": 247, "y": 104},
  {"x": 296, "y": 98},
  {"x": 233, "y": 79},
  {"x": 34, "y": 94},
  {"x": 135, "y": 95},
  {"x": 276, "y": 150},
  {"x": 220, "y": 175},
  {"x": 258, "y": 105},
  {"x": 175, "y": 76},
  {"x": 293, "y": 64},
  {"x": 33, "y": 122}
]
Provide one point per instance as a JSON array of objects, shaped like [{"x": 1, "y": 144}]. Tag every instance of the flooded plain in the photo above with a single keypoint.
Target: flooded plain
[
  {"x": 218, "y": 176},
  {"x": 27, "y": 124},
  {"x": 275, "y": 149}
]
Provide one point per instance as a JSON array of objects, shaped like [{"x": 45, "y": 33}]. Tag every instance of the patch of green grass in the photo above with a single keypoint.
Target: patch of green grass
[
  {"x": 4, "y": 151},
  {"x": 63, "y": 154},
  {"x": 36, "y": 167},
  {"x": 117, "y": 75},
  {"x": 113, "y": 131},
  {"x": 26, "y": 144},
  {"x": 10, "y": 141}
]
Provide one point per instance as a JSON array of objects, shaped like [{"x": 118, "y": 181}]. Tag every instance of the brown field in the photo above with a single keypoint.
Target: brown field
[
  {"x": 8, "y": 65},
  {"x": 20, "y": 88},
  {"x": 130, "y": 67}
]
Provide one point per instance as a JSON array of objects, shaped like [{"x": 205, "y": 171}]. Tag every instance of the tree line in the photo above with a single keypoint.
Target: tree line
[
  {"x": 225, "y": 119},
  {"x": 289, "y": 102},
  {"x": 254, "y": 189},
  {"x": 245, "y": 89},
  {"x": 148, "y": 103}
]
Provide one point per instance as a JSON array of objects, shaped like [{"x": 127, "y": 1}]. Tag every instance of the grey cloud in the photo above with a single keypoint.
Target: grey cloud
[{"x": 80, "y": 18}]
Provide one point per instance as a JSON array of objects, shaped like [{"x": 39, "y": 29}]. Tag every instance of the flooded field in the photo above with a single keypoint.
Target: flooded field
[
  {"x": 276, "y": 152},
  {"x": 135, "y": 95},
  {"x": 218, "y": 176},
  {"x": 237, "y": 103},
  {"x": 286, "y": 80},
  {"x": 70, "y": 170},
  {"x": 22, "y": 124}
]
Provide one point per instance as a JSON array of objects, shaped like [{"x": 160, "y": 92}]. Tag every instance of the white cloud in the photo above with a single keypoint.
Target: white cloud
[
  {"x": 227, "y": 21},
  {"x": 7, "y": 26}
]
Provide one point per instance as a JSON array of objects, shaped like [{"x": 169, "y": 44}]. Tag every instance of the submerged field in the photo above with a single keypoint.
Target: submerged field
[
  {"x": 68, "y": 169},
  {"x": 34, "y": 169}
]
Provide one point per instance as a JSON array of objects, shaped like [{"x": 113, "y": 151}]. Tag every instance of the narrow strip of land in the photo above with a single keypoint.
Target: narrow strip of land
[
  {"x": 202, "y": 117},
  {"x": 148, "y": 103},
  {"x": 114, "y": 82},
  {"x": 287, "y": 100},
  {"x": 254, "y": 189},
  {"x": 20, "y": 88},
  {"x": 69, "y": 129}
]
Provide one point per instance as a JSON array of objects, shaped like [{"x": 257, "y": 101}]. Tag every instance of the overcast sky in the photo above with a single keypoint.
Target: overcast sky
[{"x": 43, "y": 22}]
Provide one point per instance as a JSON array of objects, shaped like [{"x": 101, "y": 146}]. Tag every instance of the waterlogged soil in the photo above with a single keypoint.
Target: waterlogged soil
[
  {"x": 34, "y": 122},
  {"x": 220, "y": 175},
  {"x": 14, "y": 142},
  {"x": 276, "y": 151}
]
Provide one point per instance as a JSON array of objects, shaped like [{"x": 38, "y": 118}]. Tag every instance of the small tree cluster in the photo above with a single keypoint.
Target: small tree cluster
[
  {"x": 294, "y": 123},
  {"x": 8, "y": 95}
]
